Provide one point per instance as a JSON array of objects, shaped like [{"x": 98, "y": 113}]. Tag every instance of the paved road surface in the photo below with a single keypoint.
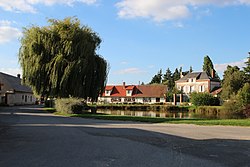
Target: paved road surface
[{"x": 31, "y": 138}]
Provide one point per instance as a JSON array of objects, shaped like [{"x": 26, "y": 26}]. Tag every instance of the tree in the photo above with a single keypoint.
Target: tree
[
  {"x": 244, "y": 95},
  {"x": 247, "y": 69},
  {"x": 168, "y": 79},
  {"x": 233, "y": 80},
  {"x": 60, "y": 60},
  {"x": 208, "y": 65},
  {"x": 176, "y": 74},
  {"x": 157, "y": 78}
]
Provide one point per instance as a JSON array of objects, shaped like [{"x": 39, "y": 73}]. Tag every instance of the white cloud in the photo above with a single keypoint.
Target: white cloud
[
  {"x": 165, "y": 10},
  {"x": 7, "y": 32},
  {"x": 27, "y": 6},
  {"x": 124, "y": 62},
  {"x": 130, "y": 71},
  {"x": 220, "y": 68}
]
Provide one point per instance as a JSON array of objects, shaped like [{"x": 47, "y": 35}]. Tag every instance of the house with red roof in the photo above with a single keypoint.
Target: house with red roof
[{"x": 134, "y": 94}]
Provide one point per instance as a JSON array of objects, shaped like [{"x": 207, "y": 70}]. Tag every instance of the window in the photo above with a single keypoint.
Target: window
[
  {"x": 31, "y": 98},
  {"x": 107, "y": 92},
  {"x": 182, "y": 88},
  {"x": 157, "y": 99},
  {"x": 201, "y": 88},
  {"x": 191, "y": 89}
]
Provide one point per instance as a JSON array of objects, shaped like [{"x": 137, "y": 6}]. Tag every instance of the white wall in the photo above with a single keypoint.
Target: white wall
[
  {"x": 20, "y": 98},
  {"x": 196, "y": 86}
]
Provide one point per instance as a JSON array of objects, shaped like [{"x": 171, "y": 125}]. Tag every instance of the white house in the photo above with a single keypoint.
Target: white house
[
  {"x": 133, "y": 94},
  {"x": 197, "y": 82},
  {"x": 12, "y": 92}
]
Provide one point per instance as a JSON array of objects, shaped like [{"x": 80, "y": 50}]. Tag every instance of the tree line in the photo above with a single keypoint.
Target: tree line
[{"x": 169, "y": 78}]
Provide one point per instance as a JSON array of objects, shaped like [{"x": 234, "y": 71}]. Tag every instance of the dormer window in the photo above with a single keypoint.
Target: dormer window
[
  {"x": 129, "y": 92},
  {"x": 107, "y": 92},
  {"x": 191, "y": 80}
]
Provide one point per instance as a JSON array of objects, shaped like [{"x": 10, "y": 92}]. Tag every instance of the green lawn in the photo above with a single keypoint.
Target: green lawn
[{"x": 224, "y": 122}]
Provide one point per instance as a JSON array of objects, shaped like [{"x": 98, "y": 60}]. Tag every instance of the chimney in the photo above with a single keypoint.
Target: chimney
[
  {"x": 124, "y": 84},
  {"x": 19, "y": 76},
  {"x": 181, "y": 75},
  {"x": 212, "y": 73}
]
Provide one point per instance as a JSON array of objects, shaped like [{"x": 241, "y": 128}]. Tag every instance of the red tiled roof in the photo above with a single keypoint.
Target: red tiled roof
[
  {"x": 109, "y": 87},
  {"x": 151, "y": 91},
  {"x": 130, "y": 87},
  {"x": 138, "y": 91},
  {"x": 217, "y": 91}
]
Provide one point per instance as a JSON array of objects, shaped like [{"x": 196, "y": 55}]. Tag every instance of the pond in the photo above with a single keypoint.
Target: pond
[{"x": 146, "y": 113}]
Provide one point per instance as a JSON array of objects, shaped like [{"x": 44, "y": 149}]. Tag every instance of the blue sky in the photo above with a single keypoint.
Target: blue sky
[{"x": 140, "y": 36}]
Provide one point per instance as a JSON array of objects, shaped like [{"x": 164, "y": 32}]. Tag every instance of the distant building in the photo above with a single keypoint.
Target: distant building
[
  {"x": 12, "y": 92},
  {"x": 197, "y": 82},
  {"x": 134, "y": 94}
]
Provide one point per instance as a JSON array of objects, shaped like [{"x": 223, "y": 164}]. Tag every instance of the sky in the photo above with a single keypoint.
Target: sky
[{"x": 139, "y": 37}]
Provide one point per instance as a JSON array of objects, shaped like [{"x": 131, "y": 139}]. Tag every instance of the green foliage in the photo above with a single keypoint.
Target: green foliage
[
  {"x": 176, "y": 75},
  {"x": 157, "y": 78},
  {"x": 244, "y": 95},
  {"x": 207, "y": 65},
  {"x": 233, "y": 81},
  {"x": 168, "y": 79},
  {"x": 232, "y": 109},
  {"x": 70, "y": 106},
  {"x": 208, "y": 112},
  {"x": 204, "y": 99},
  {"x": 60, "y": 60},
  {"x": 247, "y": 69}
]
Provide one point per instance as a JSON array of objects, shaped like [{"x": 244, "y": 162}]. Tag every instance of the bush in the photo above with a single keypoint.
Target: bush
[
  {"x": 232, "y": 109},
  {"x": 208, "y": 112},
  {"x": 70, "y": 106},
  {"x": 204, "y": 99},
  {"x": 246, "y": 111}
]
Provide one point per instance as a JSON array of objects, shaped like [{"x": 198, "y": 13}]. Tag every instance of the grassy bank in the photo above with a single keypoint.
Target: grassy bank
[{"x": 224, "y": 122}]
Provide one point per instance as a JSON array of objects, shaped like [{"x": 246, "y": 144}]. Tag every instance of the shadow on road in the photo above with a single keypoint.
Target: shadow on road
[{"x": 222, "y": 151}]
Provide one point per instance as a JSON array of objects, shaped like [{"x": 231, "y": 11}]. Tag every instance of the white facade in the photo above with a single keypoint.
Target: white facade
[
  {"x": 20, "y": 98},
  {"x": 189, "y": 87},
  {"x": 149, "y": 100},
  {"x": 197, "y": 82}
]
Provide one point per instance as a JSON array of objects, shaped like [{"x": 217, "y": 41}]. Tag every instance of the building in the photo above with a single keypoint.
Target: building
[
  {"x": 12, "y": 92},
  {"x": 133, "y": 94},
  {"x": 197, "y": 82}
]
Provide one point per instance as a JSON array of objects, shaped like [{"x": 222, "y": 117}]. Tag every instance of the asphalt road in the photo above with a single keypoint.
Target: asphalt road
[{"x": 30, "y": 137}]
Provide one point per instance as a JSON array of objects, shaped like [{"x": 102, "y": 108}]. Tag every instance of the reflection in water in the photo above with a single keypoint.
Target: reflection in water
[{"x": 146, "y": 113}]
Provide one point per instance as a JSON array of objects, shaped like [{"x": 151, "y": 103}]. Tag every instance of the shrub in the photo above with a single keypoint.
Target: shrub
[
  {"x": 246, "y": 111},
  {"x": 204, "y": 99},
  {"x": 232, "y": 109},
  {"x": 208, "y": 112},
  {"x": 70, "y": 106}
]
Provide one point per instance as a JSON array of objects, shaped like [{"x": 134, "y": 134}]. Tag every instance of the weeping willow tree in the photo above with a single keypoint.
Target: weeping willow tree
[{"x": 60, "y": 60}]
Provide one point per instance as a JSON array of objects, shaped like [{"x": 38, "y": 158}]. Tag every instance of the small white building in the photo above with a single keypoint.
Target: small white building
[
  {"x": 12, "y": 92},
  {"x": 134, "y": 94}
]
